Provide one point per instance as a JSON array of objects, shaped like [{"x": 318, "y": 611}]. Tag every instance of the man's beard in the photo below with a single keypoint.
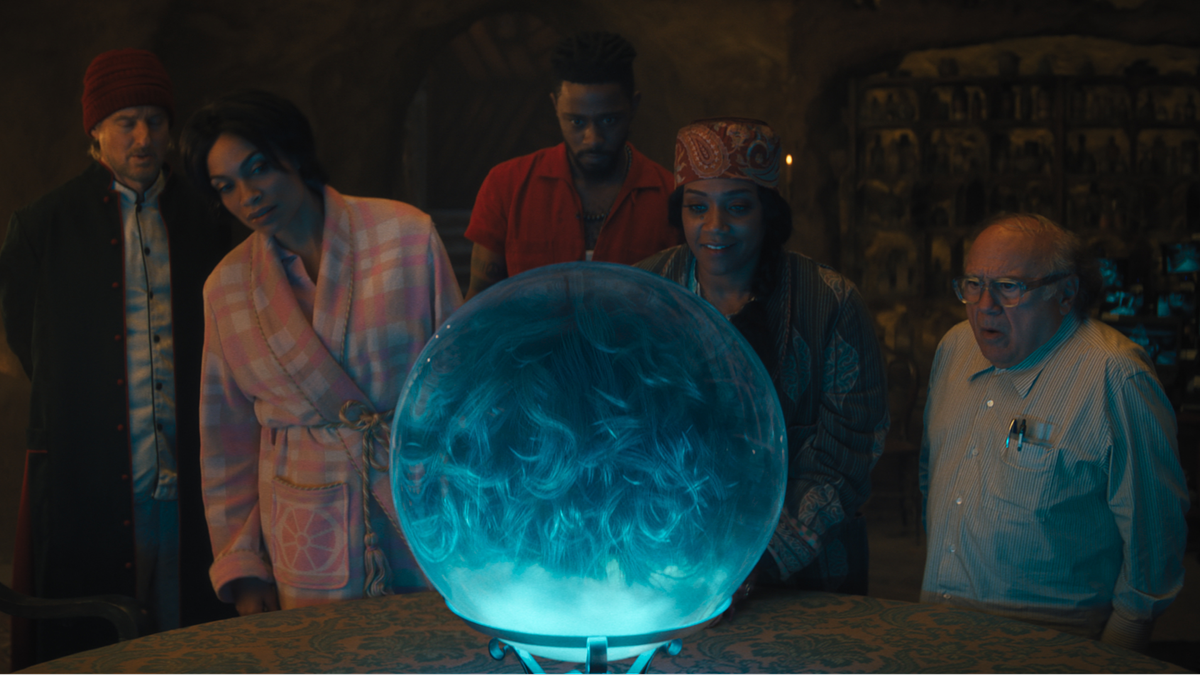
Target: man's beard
[{"x": 596, "y": 171}]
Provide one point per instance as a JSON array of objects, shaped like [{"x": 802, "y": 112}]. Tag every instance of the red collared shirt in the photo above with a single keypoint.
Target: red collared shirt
[{"x": 529, "y": 211}]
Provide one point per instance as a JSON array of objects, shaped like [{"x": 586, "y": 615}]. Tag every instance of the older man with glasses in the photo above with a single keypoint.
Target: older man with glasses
[{"x": 1052, "y": 486}]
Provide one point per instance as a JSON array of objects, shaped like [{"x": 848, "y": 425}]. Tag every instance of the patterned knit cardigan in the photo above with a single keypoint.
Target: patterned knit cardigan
[{"x": 831, "y": 381}]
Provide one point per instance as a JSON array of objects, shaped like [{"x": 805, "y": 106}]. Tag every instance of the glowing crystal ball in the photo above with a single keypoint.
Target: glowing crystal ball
[{"x": 588, "y": 450}]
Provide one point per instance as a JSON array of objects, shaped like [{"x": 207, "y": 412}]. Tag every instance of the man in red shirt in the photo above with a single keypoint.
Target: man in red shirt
[{"x": 591, "y": 197}]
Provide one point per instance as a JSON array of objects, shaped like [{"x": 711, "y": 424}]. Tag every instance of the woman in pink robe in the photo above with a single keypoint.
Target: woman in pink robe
[{"x": 311, "y": 327}]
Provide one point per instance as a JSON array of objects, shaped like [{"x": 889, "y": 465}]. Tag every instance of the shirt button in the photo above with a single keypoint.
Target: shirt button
[
  {"x": 147, "y": 250},
  {"x": 958, "y": 501},
  {"x": 151, "y": 295},
  {"x": 158, "y": 386},
  {"x": 952, "y": 549},
  {"x": 990, "y": 403},
  {"x": 156, "y": 338},
  {"x": 159, "y": 427},
  {"x": 946, "y": 596}
]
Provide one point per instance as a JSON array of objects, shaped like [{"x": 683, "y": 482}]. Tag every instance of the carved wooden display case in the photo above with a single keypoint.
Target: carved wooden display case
[{"x": 1114, "y": 158}]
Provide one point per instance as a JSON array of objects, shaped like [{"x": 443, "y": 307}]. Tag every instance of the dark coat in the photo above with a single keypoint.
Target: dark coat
[{"x": 62, "y": 296}]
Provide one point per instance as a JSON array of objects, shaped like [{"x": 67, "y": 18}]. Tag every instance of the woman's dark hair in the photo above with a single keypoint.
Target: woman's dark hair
[
  {"x": 777, "y": 229},
  {"x": 271, "y": 123}
]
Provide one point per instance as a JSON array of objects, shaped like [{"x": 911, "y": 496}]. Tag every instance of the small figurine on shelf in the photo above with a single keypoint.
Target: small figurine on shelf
[
  {"x": 958, "y": 159},
  {"x": 1158, "y": 156},
  {"x": 1145, "y": 111},
  {"x": 1080, "y": 110},
  {"x": 906, "y": 155},
  {"x": 1044, "y": 105},
  {"x": 958, "y": 105},
  {"x": 1113, "y": 156},
  {"x": 1081, "y": 160},
  {"x": 1025, "y": 104},
  {"x": 874, "y": 108},
  {"x": 1008, "y": 106},
  {"x": 1001, "y": 149},
  {"x": 977, "y": 109},
  {"x": 1045, "y": 155},
  {"x": 942, "y": 156},
  {"x": 1120, "y": 108},
  {"x": 877, "y": 159}
]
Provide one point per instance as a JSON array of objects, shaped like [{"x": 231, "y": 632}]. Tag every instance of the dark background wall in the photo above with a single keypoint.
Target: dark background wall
[{"x": 355, "y": 66}]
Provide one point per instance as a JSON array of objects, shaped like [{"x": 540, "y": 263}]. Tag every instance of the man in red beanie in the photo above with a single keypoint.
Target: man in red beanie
[{"x": 100, "y": 292}]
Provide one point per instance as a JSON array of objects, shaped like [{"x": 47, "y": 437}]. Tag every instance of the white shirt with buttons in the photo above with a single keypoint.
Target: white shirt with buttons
[
  {"x": 149, "y": 344},
  {"x": 1079, "y": 519}
]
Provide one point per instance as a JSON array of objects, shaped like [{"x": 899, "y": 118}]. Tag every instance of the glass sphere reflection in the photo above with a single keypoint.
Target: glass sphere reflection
[{"x": 587, "y": 449}]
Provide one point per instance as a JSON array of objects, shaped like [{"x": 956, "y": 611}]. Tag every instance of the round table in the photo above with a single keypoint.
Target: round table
[{"x": 791, "y": 632}]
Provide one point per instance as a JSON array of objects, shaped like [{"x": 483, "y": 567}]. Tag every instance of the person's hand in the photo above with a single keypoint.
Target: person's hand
[{"x": 253, "y": 596}]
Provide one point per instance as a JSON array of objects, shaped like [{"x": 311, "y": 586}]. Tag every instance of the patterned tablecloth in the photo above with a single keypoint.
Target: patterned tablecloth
[{"x": 795, "y": 632}]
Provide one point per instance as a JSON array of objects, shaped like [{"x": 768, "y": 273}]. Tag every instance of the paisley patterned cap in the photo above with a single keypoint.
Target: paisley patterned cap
[{"x": 727, "y": 147}]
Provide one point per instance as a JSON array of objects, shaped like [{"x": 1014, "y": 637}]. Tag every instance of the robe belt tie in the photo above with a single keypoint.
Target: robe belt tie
[{"x": 373, "y": 426}]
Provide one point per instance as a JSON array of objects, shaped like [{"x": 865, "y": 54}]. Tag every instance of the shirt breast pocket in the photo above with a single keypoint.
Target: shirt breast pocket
[{"x": 1023, "y": 481}]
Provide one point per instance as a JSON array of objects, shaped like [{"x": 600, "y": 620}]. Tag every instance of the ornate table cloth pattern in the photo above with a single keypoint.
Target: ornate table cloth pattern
[{"x": 791, "y": 632}]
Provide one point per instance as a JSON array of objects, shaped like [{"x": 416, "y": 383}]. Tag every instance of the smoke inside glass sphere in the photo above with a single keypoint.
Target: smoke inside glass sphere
[{"x": 588, "y": 449}]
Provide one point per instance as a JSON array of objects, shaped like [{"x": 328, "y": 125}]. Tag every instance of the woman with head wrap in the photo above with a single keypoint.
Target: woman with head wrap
[
  {"x": 311, "y": 327},
  {"x": 809, "y": 326}
]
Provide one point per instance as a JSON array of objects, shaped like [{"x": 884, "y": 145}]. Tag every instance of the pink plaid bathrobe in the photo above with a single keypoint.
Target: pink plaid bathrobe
[{"x": 282, "y": 488}]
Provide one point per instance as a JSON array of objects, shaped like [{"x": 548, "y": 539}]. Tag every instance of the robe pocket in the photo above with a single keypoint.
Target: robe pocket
[{"x": 309, "y": 534}]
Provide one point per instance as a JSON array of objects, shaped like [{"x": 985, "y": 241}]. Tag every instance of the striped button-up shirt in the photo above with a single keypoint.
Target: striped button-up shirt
[
  {"x": 1078, "y": 519},
  {"x": 150, "y": 343}
]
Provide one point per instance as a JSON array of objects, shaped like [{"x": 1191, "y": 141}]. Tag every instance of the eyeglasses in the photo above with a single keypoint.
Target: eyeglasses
[{"x": 1005, "y": 291}]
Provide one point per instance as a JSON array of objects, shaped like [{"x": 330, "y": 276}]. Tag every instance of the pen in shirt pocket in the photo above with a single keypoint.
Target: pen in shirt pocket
[
  {"x": 1016, "y": 428},
  {"x": 1029, "y": 431}
]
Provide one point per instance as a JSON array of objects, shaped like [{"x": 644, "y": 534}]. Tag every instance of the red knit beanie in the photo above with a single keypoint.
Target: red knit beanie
[{"x": 124, "y": 78}]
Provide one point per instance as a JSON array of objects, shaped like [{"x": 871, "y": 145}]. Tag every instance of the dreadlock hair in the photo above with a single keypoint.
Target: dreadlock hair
[{"x": 594, "y": 58}]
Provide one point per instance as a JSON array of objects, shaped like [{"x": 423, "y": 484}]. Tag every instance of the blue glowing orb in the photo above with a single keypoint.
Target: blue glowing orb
[{"x": 588, "y": 449}]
